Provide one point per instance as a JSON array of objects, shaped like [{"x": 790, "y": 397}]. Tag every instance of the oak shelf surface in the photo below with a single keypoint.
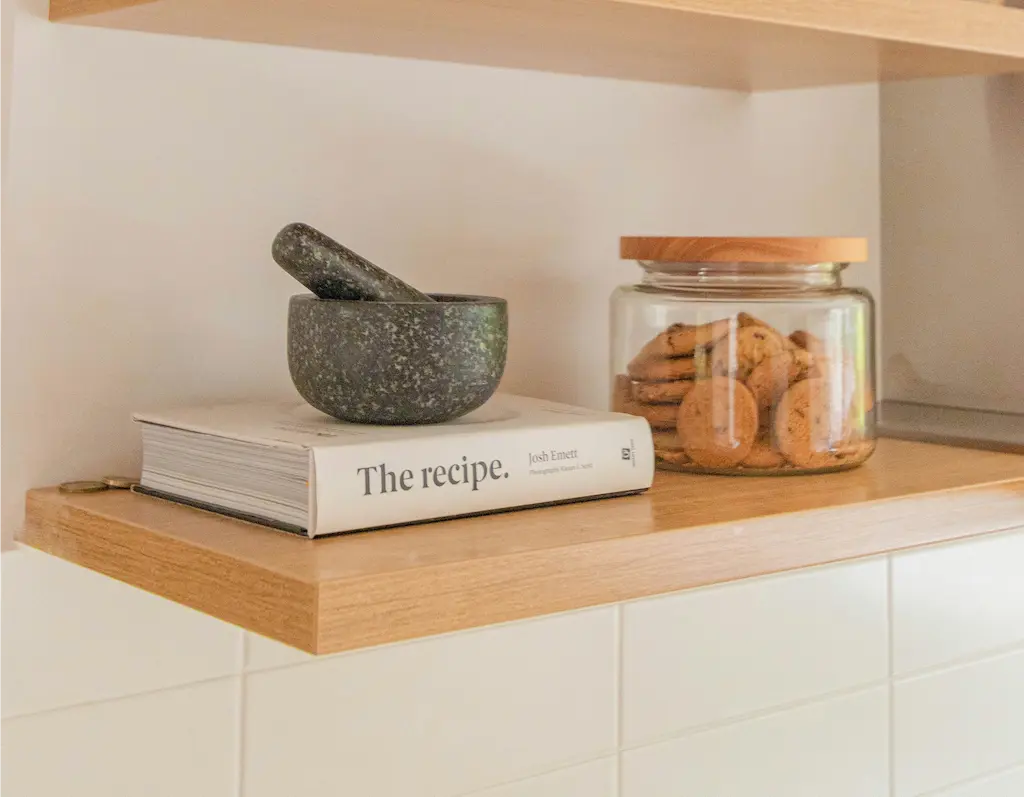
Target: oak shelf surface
[
  {"x": 370, "y": 588},
  {"x": 733, "y": 44}
]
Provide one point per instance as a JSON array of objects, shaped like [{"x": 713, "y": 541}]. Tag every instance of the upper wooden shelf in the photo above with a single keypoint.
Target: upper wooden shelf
[
  {"x": 364, "y": 589},
  {"x": 734, "y": 44}
]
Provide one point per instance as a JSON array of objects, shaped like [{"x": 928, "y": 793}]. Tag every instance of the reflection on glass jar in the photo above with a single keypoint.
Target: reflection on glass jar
[{"x": 746, "y": 355}]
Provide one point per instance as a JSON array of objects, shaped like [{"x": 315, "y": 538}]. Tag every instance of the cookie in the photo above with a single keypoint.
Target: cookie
[
  {"x": 666, "y": 440},
  {"x": 661, "y": 392},
  {"x": 773, "y": 375},
  {"x": 659, "y": 416},
  {"x": 854, "y": 453},
  {"x": 807, "y": 341},
  {"x": 763, "y": 454},
  {"x": 680, "y": 340},
  {"x": 622, "y": 394},
  {"x": 718, "y": 422},
  {"x": 663, "y": 370},
  {"x": 747, "y": 320},
  {"x": 738, "y": 355},
  {"x": 673, "y": 457},
  {"x": 843, "y": 374},
  {"x": 807, "y": 424},
  {"x": 702, "y": 363}
]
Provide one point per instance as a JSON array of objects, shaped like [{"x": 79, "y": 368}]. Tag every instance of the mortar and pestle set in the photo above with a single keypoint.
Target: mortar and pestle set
[{"x": 365, "y": 347}]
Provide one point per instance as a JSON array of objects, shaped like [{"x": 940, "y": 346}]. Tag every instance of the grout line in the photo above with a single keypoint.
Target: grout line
[
  {"x": 240, "y": 735},
  {"x": 962, "y": 661},
  {"x": 117, "y": 698},
  {"x": 891, "y": 655},
  {"x": 995, "y": 773},
  {"x": 619, "y": 654},
  {"x": 570, "y": 764},
  {"x": 760, "y": 714},
  {"x": 316, "y": 658}
]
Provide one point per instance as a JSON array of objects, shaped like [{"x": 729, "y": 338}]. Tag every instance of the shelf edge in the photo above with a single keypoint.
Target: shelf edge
[{"x": 237, "y": 592}]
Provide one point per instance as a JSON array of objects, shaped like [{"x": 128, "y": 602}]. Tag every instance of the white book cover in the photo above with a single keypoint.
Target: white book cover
[{"x": 512, "y": 452}]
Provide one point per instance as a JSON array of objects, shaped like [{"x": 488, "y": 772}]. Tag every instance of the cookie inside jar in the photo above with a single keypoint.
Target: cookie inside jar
[{"x": 744, "y": 365}]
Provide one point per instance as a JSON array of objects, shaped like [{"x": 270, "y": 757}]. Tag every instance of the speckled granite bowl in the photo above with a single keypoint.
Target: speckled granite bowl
[{"x": 397, "y": 362}]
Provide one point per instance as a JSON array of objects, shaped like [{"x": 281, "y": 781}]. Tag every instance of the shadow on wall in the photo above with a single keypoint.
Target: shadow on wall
[
  {"x": 495, "y": 226},
  {"x": 953, "y": 188},
  {"x": 1004, "y": 106},
  {"x": 1004, "y": 101}
]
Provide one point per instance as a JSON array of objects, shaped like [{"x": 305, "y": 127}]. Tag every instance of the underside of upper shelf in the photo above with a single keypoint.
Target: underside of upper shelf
[{"x": 731, "y": 44}]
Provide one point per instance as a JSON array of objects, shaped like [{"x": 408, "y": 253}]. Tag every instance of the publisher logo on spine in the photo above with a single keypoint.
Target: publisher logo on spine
[{"x": 629, "y": 454}]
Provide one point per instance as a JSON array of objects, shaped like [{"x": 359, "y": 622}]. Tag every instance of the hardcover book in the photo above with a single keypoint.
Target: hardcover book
[{"x": 290, "y": 466}]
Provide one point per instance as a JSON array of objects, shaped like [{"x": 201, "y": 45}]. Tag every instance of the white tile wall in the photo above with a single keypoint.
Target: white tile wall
[
  {"x": 73, "y": 636},
  {"x": 706, "y": 655},
  {"x": 593, "y": 779},
  {"x": 175, "y": 743},
  {"x": 958, "y": 723},
  {"x": 1009, "y": 783},
  {"x": 438, "y": 716},
  {"x": 754, "y": 689},
  {"x": 262, "y": 653},
  {"x": 834, "y": 748},
  {"x": 959, "y": 600}
]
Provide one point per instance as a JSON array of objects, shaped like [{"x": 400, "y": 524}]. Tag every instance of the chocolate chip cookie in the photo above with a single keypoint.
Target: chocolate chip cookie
[
  {"x": 747, "y": 320},
  {"x": 659, "y": 416},
  {"x": 773, "y": 375},
  {"x": 666, "y": 440},
  {"x": 718, "y": 422},
  {"x": 622, "y": 393},
  {"x": 808, "y": 342},
  {"x": 738, "y": 354},
  {"x": 661, "y": 392},
  {"x": 763, "y": 454},
  {"x": 809, "y": 424},
  {"x": 662, "y": 370},
  {"x": 673, "y": 457},
  {"x": 681, "y": 340}
]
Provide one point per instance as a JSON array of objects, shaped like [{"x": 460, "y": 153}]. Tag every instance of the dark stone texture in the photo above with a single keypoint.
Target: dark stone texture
[
  {"x": 397, "y": 362},
  {"x": 333, "y": 271}
]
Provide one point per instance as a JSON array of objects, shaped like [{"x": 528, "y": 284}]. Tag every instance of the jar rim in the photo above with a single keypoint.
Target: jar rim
[
  {"x": 732, "y": 251},
  {"x": 740, "y": 268}
]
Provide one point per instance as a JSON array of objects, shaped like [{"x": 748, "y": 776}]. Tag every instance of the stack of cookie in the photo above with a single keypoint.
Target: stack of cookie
[{"x": 736, "y": 394}]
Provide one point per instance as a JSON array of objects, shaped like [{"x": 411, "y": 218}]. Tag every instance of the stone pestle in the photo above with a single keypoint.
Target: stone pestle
[{"x": 333, "y": 271}]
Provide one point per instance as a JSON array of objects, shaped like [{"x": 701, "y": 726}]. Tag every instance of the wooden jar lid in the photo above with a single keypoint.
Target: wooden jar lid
[{"x": 744, "y": 250}]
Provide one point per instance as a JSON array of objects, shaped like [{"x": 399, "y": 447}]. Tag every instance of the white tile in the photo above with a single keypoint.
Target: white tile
[
  {"x": 957, "y": 600},
  {"x": 174, "y": 743},
  {"x": 958, "y": 724},
  {"x": 834, "y": 748},
  {"x": 705, "y": 655},
  {"x": 440, "y": 716},
  {"x": 593, "y": 779},
  {"x": 1009, "y": 783},
  {"x": 74, "y": 636}
]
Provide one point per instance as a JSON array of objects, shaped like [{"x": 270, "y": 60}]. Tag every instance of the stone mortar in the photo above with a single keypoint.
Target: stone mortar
[{"x": 397, "y": 363}]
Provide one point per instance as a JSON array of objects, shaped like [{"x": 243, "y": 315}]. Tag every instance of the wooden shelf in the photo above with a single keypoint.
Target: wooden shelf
[
  {"x": 994, "y": 431},
  {"x": 735, "y": 44},
  {"x": 365, "y": 589}
]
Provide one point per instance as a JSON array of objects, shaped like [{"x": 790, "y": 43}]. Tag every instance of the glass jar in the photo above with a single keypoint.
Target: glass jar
[{"x": 747, "y": 355}]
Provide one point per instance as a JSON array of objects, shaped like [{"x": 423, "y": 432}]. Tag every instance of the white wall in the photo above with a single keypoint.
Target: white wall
[
  {"x": 148, "y": 176},
  {"x": 953, "y": 240}
]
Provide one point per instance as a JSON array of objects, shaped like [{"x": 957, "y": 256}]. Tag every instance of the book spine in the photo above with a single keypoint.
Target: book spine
[{"x": 392, "y": 482}]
